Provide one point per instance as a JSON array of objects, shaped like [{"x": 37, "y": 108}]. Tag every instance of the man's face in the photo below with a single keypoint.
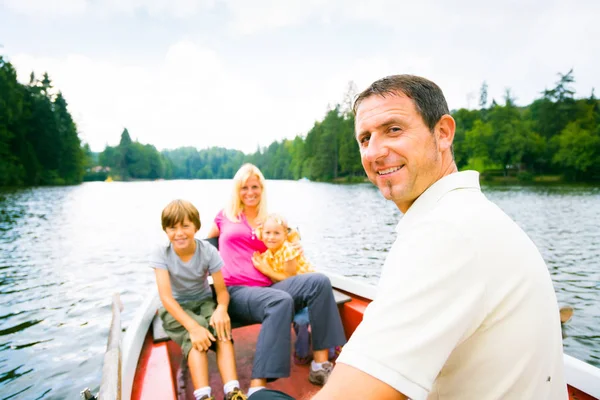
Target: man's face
[{"x": 398, "y": 151}]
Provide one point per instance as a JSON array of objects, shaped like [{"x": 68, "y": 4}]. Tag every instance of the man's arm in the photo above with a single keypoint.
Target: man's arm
[{"x": 348, "y": 382}]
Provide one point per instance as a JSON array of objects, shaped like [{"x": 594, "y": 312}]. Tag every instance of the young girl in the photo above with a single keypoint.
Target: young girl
[{"x": 282, "y": 260}]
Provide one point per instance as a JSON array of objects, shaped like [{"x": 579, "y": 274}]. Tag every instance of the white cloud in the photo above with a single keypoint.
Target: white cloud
[
  {"x": 45, "y": 8},
  {"x": 204, "y": 95},
  {"x": 69, "y": 8},
  {"x": 192, "y": 98}
]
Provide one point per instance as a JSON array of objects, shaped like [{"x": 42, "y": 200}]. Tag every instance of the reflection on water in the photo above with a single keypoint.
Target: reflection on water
[{"x": 64, "y": 251}]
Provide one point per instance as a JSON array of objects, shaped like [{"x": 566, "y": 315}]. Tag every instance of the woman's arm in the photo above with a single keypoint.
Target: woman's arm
[
  {"x": 220, "y": 319},
  {"x": 199, "y": 335},
  {"x": 213, "y": 232}
]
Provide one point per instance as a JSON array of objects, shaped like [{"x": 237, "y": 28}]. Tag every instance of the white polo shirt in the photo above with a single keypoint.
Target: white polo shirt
[{"x": 465, "y": 307}]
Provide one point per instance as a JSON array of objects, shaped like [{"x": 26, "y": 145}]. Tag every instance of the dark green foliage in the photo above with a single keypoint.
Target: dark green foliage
[
  {"x": 39, "y": 144},
  {"x": 556, "y": 134}
]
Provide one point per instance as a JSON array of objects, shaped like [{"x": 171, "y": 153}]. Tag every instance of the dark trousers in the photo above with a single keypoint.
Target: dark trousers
[
  {"x": 267, "y": 394},
  {"x": 274, "y": 308}
]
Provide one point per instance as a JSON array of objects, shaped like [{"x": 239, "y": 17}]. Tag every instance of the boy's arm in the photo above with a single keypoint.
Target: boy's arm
[
  {"x": 197, "y": 336},
  {"x": 220, "y": 319}
]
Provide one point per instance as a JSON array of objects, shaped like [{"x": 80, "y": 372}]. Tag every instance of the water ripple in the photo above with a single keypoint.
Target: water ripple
[{"x": 65, "y": 250}]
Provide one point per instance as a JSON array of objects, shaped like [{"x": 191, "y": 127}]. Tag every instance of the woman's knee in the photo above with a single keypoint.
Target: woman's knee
[
  {"x": 320, "y": 281},
  {"x": 280, "y": 299}
]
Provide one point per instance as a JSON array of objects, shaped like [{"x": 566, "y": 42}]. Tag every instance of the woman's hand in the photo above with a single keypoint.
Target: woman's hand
[
  {"x": 221, "y": 322},
  {"x": 201, "y": 338},
  {"x": 297, "y": 245}
]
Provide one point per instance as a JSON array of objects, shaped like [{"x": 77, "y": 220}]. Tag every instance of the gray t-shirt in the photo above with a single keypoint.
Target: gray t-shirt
[{"x": 188, "y": 279}]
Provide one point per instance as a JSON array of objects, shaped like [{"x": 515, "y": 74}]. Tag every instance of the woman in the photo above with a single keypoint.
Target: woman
[{"x": 256, "y": 299}]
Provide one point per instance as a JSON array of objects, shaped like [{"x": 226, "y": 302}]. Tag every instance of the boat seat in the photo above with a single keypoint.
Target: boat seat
[{"x": 159, "y": 334}]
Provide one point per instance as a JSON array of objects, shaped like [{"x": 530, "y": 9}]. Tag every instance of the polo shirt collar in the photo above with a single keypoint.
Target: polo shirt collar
[{"x": 428, "y": 199}]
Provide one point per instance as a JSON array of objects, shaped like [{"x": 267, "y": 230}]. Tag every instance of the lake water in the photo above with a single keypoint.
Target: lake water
[{"x": 65, "y": 250}]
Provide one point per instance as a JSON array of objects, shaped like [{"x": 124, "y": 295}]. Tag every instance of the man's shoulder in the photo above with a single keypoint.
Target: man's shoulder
[{"x": 464, "y": 208}]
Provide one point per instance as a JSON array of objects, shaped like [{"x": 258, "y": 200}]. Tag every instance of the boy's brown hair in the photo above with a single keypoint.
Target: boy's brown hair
[{"x": 176, "y": 211}]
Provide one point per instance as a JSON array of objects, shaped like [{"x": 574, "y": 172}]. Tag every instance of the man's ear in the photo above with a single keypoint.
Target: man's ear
[{"x": 445, "y": 129}]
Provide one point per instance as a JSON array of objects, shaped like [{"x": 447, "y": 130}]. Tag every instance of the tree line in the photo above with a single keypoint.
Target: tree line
[
  {"x": 39, "y": 144},
  {"x": 328, "y": 152},
  {"x": 556, "y": 135}
]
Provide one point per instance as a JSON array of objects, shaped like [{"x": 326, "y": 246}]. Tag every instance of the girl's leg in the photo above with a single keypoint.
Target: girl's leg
[
  {"x": 198, "y": 364},
  {"x": 302, "y": 349}
]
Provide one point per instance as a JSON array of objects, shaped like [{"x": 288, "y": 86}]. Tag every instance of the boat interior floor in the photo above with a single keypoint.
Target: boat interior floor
[{"x": 245, "y": 338}]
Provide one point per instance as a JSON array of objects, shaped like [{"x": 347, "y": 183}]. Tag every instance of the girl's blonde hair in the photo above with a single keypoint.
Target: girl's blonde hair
[
  {"x": 235, "y": 206},
  {"x": 292, "y": 235},
  {"x": 279, "y": 219}
]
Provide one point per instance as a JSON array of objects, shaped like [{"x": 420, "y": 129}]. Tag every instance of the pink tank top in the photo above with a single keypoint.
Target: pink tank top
[{"x": 237, "y": 243}]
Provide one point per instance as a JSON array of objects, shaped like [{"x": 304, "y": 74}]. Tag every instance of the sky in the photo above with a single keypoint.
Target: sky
[{"x": 243, "y": 73}]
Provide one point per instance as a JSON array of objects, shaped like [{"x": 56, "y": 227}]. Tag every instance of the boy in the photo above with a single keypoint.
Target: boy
[{"x": 189, "y": 314}]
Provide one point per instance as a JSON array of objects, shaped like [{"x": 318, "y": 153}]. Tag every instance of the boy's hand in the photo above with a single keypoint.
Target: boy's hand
[
  {"x": 221, "y": 322},
  {"x": 201, "y": 338}
]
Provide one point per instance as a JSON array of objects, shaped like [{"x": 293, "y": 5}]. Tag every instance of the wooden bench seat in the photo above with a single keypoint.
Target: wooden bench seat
[{"x": 159, "y": 334}]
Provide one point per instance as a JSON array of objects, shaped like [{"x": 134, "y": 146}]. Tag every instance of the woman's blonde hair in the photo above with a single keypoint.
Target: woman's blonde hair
[
  {"x": 176, "y": 212},
  {"x": 235, "y": 206}
]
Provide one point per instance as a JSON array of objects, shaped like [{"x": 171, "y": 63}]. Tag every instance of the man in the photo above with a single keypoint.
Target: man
[{"x": 465, "y": 307}]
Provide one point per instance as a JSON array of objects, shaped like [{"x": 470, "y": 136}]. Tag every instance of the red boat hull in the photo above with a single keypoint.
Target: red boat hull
[{"x": 160, "y": 374}]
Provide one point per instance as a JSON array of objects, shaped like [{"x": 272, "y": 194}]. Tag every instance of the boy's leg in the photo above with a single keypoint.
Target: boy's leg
[
  {"x": 197, "y": 360},
  {"x": 198, "y": 363},
  {"x": 226, "y": 360},
  {"x": 314, "y": 290},
  {"x": 274, "y": 309}
]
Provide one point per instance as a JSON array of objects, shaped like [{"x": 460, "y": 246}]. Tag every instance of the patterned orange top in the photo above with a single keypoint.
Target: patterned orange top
[{"x": 286, "y": 253}]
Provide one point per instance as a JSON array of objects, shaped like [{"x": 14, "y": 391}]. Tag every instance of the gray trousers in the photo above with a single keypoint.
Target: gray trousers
[{"x": 274, "y": 307}]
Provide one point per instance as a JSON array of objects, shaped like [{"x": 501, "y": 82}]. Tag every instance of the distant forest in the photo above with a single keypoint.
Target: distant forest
[
  {"x": 556, "y": 136},
  {"x": 39, "y": 144}
]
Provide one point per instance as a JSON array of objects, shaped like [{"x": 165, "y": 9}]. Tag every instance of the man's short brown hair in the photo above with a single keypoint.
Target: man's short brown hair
[
  {"x": 428, "y": 97},
  {"x": 176, "y": 212}
]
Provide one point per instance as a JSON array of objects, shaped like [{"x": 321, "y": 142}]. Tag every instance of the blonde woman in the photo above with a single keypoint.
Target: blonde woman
[{"x": 256, "y": 299}]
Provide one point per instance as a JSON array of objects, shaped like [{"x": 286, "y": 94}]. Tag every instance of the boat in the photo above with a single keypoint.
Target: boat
[{"x": 152, "y": 366}]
